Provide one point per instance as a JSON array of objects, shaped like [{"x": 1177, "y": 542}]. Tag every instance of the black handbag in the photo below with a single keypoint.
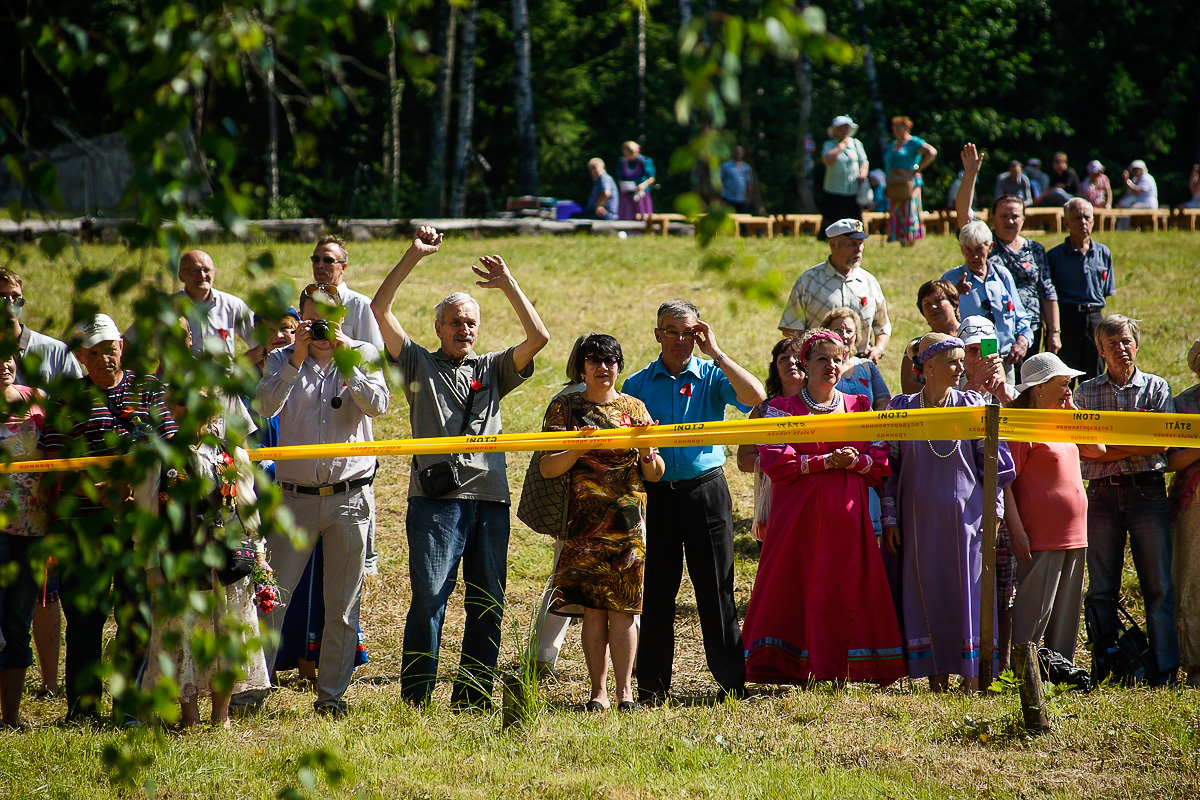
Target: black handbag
[
  {"x": 543, "y": 503},
  {"x": 1061, "y": 671},
  {"x": 1123, "y": 654},
  {"x": 440, "y": 479}
]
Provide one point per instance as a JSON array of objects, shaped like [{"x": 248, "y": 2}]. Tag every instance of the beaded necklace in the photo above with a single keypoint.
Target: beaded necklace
[
  {"x": 818, "y": 407},
  {"x": 957, "y": 442}
]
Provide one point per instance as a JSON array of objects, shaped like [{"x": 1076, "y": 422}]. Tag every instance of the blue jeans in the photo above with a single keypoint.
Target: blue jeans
[
  {"x": 17, "y": 598},
  {"x": 442, "y": 533},
  {"x": 1141, "y": 511}
]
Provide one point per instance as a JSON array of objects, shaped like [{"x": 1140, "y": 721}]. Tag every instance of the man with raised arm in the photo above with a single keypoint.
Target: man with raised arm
[
  {"x": 689, "y": 511},
  {"x": 457, "y": 502}
]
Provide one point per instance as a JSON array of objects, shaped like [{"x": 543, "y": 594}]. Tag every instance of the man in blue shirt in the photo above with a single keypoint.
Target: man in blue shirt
[
  {"x": 1082, "y": 273},
  {"x": 604, "y": 199},
  {"x": 736, "y": 177},
  {"x": 689, "y": 510}
]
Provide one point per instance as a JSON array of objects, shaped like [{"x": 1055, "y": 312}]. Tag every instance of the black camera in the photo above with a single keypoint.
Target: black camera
[{"x": 320, "y": 329}]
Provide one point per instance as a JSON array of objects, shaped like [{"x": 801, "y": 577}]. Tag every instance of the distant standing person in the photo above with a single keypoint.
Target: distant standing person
[
  {"x": 1141, "y": 190},
  {"x": 1096, "y": 187},
  {"x": 1082, "y": 272},
  {"x": 904, "y": 160},
  {"x": 602, "y": 202},
  {"x": 689, "y": 510},
  {"x": 846, "y": 169},
  {"x": 736, "y": 180},
  {"x": 635, "y": 176}
]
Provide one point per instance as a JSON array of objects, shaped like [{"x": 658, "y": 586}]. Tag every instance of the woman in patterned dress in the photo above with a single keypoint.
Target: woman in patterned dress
[
  {"x": 600, "y": 569},
  {"x": 905, "y": 158}
]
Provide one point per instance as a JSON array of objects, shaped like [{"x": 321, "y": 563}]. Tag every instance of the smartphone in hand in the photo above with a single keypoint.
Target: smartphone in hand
[{"x": 989, "y": 346}]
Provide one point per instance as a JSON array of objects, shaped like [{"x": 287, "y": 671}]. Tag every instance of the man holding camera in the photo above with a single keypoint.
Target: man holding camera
[
  {"x": 457, "y": 503},
  {"x": 318, "y": 403}
]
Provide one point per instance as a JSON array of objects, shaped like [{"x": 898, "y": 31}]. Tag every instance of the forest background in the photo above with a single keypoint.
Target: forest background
[{"x": 514, "y": 97}]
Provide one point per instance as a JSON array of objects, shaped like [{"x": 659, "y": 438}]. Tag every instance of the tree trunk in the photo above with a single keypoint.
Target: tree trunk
[
  {"x": 466, "y": 113},
  {"x": 804, "y": 159},
  {"x": 877, "y": 115},
  {"x": 396, "y": 90},
  {"x": 527, "y": 150},
  {"x": 685, "y": 13},
  {"x": 1033, "y": 702},
  {"x": 641, "y": 74},
  {"x": 435, "y": 200},
  {"x": 272, "y": 134}
]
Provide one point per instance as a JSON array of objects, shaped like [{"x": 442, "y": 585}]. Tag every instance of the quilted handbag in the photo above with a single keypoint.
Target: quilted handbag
[{"x": 543, "y": 504}]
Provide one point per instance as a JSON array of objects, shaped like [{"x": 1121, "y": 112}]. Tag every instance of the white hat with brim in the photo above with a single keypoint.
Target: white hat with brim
[
  {"x": 974, "y": 330},
  {"x": 1041, "y": 367},
  {"x": 1138, "y": 164},
  {"x": 838, "y": 122},
  {"x": 847, "y": 227},
  {"x": 100, "y": 328}
]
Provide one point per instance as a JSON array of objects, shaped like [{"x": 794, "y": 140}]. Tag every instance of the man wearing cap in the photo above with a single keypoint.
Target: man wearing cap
[
  {"x": 332, "y": 498},
  {"x": 1082, "y": 273},
  {"x": 126, "y": 407},
  {"x": 846, "y": 168},
  {"x": 1127, "y": 495},
  {"x": 838, "y": 282},
  {"x": 736, "y": 178},
  {"x": 1141, "y": 190},
  {"x": 689, "y": 511}
]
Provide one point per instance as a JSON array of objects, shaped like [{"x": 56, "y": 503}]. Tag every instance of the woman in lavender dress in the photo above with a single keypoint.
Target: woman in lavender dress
[
  {"x": 635, "y": 176},
  {"x": 932, "y": 518}
]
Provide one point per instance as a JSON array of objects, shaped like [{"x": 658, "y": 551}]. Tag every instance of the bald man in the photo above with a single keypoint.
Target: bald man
[{"x": 216, "y": 317}]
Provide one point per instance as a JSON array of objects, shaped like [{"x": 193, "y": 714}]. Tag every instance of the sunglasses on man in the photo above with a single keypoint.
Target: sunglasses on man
[{"x": 326, "y": 260}]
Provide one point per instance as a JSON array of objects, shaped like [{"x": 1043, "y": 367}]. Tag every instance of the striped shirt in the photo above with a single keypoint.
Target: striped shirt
[
  {"x": 1143, "y": 392},
  {"x": 136, "y": 406}
]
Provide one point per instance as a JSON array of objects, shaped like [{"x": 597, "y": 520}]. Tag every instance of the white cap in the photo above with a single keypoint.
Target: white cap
[
  {"x": 1138, "y": 164},
  {"x": 847, "y": 227},
  {"x": 1041, "y": 367},
  {"x": 974, "y": 330},
  {"x": 99, "y": 329}
]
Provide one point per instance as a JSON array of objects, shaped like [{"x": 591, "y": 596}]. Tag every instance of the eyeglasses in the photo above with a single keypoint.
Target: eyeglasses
[
  {"x": 14, "y": 300},
  {"x": 608, "y": 361},
  {"x": 327, "y": 289},
  {"x": 326, "y": 260},
  {"x": 196, "y": 271},
  {"x": 679, "y": 336}
]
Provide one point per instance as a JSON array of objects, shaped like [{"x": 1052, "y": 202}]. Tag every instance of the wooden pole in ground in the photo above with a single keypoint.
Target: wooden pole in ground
[
  {"x": 1029, "y": 673},
  {"x": 987, "y": 584}
]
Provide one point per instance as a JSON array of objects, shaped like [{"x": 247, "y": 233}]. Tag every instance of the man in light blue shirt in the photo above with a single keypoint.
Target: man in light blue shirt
[
  {"x": 736, "y": 177},
  {"x": 988, "y": 290},
  {"x": 604, "y": 199},
  {"x": 689, "y": 511}
]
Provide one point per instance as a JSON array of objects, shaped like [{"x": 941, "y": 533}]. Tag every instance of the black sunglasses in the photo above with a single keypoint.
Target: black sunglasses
[
  {"x": 608, "y": 361},
  {"x": 326, "y": 260}
]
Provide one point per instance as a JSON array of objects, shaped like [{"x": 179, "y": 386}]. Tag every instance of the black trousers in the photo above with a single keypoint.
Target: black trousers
[
  {"x": 698, "y": 523},
  {"x": 1078, "y": 339},
  {"x": 92, "y": 585}
]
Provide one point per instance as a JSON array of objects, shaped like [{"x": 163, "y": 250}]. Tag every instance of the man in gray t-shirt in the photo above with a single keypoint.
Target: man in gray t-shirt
[{"x": 457, "y": 503}]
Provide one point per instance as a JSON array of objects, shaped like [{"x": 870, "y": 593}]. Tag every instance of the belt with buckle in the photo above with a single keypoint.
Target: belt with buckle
[
  {"x": 690, "y": 483},
  {"x": 1084, "y": 308},
  {"x": 341, "y": 487},
  {"x": 1133, "y": 479}
]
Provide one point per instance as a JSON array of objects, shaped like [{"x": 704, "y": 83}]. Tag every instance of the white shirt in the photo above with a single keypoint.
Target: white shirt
[
  {"x": 214, "y": 322},
  {"x": 359, "y": 323},
  {"x": 56, "y": 358},
  {"x": 303, "y": 399}
]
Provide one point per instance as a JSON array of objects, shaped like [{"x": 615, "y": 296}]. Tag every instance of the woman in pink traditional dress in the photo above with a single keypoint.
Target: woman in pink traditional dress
[
  {"x": 635, "y": 176},
  {"x": 821, "y": 607}
]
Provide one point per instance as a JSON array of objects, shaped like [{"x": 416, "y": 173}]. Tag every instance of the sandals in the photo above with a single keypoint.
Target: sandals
[
  {"x": 627, "y": 707},
  {"x": 595, "y": 707}
]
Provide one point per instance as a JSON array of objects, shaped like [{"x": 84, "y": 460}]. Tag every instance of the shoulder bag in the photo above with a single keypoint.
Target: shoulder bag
[{"x": 543, "y": 503}]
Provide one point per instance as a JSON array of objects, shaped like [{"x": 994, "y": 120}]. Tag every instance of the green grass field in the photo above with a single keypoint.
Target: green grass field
[{"x": 788, "y": 743}]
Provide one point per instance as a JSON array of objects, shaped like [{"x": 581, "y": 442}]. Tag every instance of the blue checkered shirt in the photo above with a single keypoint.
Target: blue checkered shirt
[{"x": 1144, "y": 392}]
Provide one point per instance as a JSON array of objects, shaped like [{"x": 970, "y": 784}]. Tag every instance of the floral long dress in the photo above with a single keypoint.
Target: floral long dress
[{"x": 603, "y": 557}]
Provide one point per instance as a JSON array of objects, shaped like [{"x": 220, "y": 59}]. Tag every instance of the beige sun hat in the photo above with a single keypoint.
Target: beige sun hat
[{"x": 1041, "y": 367}]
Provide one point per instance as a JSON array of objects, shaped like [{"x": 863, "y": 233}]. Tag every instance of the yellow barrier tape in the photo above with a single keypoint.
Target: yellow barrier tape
[{"x": 1083, "y": 427}]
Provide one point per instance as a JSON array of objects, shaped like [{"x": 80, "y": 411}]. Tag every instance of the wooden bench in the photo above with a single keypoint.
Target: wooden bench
[
  {"x": 935, "y": 222},
  {"x": 1048, "y": 219},
  {"x": 753, "y": 225},
  {"x": 876, "y": 221},
  {"x": 660, "y": 220},
  {"x": 1185, "y": 218},
  {"x": 796, "y": 224},
  {"x": 1106, "y": 218}
]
